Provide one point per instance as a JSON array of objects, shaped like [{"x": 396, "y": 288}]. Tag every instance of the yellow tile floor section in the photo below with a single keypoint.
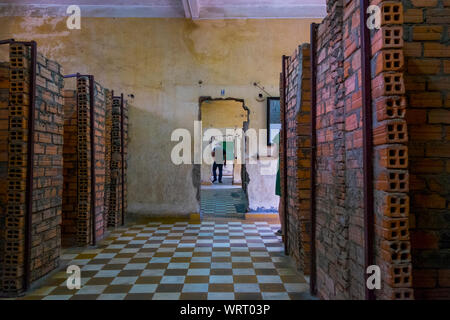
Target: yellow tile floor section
[{"x": 182, "y": 260}]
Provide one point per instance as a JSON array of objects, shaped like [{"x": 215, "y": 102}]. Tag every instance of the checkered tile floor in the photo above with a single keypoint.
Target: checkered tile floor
[
  {"x": 234, "y": 260},
  {"x": 223, "y": 202}
]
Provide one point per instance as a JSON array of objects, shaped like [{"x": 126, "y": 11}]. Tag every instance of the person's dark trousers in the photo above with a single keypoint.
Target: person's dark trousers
[{"x": 215, "y": 166}]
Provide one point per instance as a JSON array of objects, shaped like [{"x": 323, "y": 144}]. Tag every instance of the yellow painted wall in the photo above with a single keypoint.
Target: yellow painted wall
[
  {"x": 161, "y": 61},
  {"x": 223, "y": 114}
]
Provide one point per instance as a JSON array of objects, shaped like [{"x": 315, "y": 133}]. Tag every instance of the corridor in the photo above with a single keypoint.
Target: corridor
[{"x": 182, "y": 260}]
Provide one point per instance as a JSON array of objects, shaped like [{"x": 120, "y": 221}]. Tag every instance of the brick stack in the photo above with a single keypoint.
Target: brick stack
[
  {"x": 115, "y": 197},
  {"x": 390, "y": 138},
  {"x": 427, "y": 81},
  {"x": 70, "y": 212},
  {"x": 47, "y": 178},
  {"x": 298, "y": 127}
]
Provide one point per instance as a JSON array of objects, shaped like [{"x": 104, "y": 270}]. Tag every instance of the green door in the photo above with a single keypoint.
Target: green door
[{"x": 228, "y": 146}]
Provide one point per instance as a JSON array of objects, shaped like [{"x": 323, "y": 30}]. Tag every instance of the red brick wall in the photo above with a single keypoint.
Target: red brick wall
[
  {"x": 108, "y": 127},
  {"x": 84, "y": 233},
  {"x": 410, "y": 67},
  {"x": 84, "y": 218},
  {"x": 47, "y": 169},
  {"x": 353, "y": 172},
  {"x": 427, "y": 54},
  {"x": 339, "y": 167},
  {"x": 339, "y": 194},
  {"x": 99, "y": 127},
  {"x": 298, "y": 129},
  {"x": 115, "y": 197},
  {"x": 13, "y": 215},
  {"x": 70, "y": 213},
  {"x": 125, "y": 155}
]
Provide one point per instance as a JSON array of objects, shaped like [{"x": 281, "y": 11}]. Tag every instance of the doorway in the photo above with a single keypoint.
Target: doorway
[{"x": 223, "y": 123}]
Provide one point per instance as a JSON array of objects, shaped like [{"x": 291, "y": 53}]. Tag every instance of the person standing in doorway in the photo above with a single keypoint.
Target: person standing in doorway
[{"x": 220, "y": 159}]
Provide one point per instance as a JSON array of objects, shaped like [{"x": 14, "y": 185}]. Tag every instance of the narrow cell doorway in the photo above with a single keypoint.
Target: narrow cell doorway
[{"x": 222, "y": 192}]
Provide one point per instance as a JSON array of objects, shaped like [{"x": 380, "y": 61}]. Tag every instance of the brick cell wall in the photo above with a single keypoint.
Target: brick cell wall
[
  {"x": 84, "y": 234},
  {"x": 339, "y": 168},
  {"x": 108, "y": 127},
  {"x": 115, "y": 215},
  {"x": 115, "y": 197},
  {"x": 48, "y": 168},
  {"x": 339, "y": 230},
  {"x": 351, "y": 119},
  {"x": 410, "y": 67},
  {"x": 4, "y": 101},
  {"x": 298, "y": 128},
  {"x": 84, "y": 222},
  {"x": 99, "y": 127},
  {"x": 47, "y": 178},
  {"x": 18, "y": 110},
  {"x": 125, "y": 157},
  {"x": 392, "y": 240},
  {"x": 427, "y": 54},
  {"x": 69, "y": 214}
]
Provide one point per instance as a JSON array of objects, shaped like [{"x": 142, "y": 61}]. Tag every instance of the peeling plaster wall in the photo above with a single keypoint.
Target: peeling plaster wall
[{"x": 161, "y": 61}]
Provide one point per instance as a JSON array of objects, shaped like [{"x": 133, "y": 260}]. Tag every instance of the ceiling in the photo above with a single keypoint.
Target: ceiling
[{"x": 194, "y": 9}]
